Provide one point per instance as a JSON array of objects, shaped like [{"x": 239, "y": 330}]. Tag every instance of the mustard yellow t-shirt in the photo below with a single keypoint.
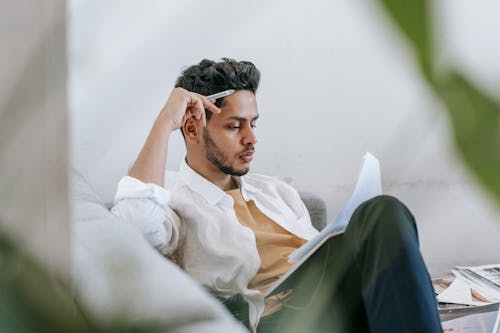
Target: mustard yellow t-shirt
[{"x": 274, "y": 244}]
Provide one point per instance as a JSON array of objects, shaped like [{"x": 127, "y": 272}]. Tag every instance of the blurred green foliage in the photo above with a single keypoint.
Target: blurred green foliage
[{"x": 474, "y": 115}]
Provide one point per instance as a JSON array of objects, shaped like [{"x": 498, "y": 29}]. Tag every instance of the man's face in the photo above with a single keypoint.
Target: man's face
[{"x": 229, "y": 137}]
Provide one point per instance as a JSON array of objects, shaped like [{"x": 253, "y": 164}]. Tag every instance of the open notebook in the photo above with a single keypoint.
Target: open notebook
[{"x": 368, "y": 185}]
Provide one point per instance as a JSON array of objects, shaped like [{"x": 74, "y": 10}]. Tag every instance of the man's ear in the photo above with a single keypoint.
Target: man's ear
[{"x": 191, "y": 131}]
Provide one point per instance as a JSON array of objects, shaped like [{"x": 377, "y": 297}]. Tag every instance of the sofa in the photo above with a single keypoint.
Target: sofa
[{"x": 119, "y": 277}]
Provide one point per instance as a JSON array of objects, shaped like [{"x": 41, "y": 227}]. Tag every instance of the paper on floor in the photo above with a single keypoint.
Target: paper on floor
[{"x": 458, "y": 292}]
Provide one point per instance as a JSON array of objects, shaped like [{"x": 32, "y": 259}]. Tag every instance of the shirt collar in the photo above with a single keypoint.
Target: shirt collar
[
  {"x": 208, "y": 190},
  {"x": 247, "y": 189}
]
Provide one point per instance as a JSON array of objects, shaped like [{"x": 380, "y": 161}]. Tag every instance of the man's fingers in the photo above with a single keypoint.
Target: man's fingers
[
  {"x": 196, "y": 106},
  {"x": 209, "y": 104},
  {"x": 201, "y": 113},
  {"x": 211, "y": 107},
  {"x": 203, "y": 120},
  {"x": 200, "y": 110}
]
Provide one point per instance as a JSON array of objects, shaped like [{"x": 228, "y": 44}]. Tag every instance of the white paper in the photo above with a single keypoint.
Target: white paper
[
  {"x": 368, "y": 186},
  {"x": 496, "y": 329},
  {"x": 489, "y": 272},
  {"x": 459, "y": 292},
  {"x": 479, "y": 281}
]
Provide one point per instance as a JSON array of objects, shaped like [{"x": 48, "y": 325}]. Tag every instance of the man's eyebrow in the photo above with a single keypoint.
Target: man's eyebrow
[{"x": 241, "y": 118}]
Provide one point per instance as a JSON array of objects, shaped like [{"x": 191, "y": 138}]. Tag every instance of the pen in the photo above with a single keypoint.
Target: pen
[{"x": 221, "y": 94}]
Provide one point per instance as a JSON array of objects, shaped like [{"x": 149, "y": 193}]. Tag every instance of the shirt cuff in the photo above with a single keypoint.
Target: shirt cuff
[{"x": 133, "y": 188}]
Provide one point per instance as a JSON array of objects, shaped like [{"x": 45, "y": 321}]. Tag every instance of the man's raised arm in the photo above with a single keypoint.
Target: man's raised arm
[{"x": 181, "y": 105}]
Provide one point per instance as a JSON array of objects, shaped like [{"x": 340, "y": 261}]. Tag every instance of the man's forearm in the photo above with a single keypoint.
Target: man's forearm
[{"x": 150, "y": 164}]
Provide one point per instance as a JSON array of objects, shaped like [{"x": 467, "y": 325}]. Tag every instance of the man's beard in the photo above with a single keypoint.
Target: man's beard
[{"x": 218, "y": 158}]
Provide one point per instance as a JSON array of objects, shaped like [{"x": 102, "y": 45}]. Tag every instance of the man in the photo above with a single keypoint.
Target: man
[{"x": 232, "y": 231}]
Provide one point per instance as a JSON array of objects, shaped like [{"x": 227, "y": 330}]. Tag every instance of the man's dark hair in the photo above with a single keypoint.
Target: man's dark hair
[{"x": 210, "y": 77}]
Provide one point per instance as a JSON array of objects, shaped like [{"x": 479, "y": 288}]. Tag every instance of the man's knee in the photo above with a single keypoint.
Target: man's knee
[
  {"x": 383, "y": 212},
  {"x": 384, "y": 202}
]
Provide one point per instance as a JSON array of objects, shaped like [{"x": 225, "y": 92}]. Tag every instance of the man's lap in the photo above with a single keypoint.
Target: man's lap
[
  {"x": 339, "y": 286},
  {"x": 332, "y": 289}
]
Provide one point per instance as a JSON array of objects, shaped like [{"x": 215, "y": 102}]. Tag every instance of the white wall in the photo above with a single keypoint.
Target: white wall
[{"x": 336, "y": 82}]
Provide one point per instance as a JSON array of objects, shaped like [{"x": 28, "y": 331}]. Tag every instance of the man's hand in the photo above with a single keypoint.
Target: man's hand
[{"x": 183, "y": 104}]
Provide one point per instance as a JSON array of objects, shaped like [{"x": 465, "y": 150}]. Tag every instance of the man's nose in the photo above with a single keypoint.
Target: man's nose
[{"x": 249, "y": 137}]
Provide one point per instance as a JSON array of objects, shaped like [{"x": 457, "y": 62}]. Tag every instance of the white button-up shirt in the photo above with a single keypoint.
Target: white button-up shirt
[{"x": 193, "y": 221}]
